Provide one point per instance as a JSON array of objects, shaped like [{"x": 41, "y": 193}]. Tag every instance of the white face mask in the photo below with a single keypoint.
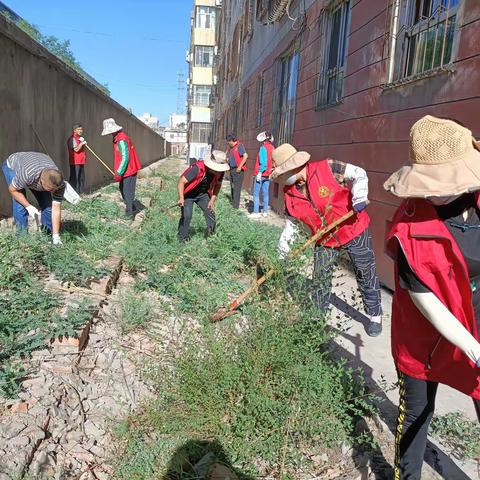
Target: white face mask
[
  {"x": 291, "y": 180},
  {"x": 443, "y": 200}
]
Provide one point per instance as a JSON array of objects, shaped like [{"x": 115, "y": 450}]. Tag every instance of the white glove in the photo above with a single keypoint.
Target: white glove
[
  {"x": 32, "y": 211},
  {"x": 56, "y": 240},
  {"x": 82, "y": 141},
  {"x": 259, "y": 177},
  {"x": 446, "y": 324},
  {"x": 289, "y": 233}
]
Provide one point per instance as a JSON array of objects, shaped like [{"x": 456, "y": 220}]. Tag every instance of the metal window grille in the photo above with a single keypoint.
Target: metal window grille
[
  {"x": 334, "y": 27},
  {"x": 286, "y": 96},
  {"x": 260, "y": 95},
  {"x": 204, "y": 56},
  {"x": 422, "y": 39},
  {"x": 201, "y": 132},
  {"x": 201, "y": 95},
  {"x": 205, "y": 17}
]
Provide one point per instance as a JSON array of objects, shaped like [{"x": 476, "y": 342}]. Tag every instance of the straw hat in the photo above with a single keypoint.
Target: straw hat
[
  {"x": 109, "y": 126},
  {"x": 286, "y": 158},
  {"x": 217, "y": 162},
  {"x": 261, "y": 137},
  {"x": 444, "y": 161}
]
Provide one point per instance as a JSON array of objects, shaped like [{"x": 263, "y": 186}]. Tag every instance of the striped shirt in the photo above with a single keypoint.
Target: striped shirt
[{"x": 28, "y": 166}]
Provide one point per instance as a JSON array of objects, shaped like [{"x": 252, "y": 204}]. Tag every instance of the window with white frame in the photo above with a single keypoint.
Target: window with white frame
[
  {"x": 286, "y": 96},
  {"x": 423, "y": 36},
  {"x": 204, "y": 56},
  {"x": 334, "y": 27},
  {"x": 201, "y": 95},
  {"x": 205, "y": 17},
  {"x": 201, "y": 132}
]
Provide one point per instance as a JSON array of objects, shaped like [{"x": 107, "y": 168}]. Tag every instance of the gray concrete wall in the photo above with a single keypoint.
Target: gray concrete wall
[{"x": 38, "y": 89}]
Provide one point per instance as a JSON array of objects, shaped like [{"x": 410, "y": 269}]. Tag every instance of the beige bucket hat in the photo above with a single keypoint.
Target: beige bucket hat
[
  {"x": 110, "y": 126},
  {"x": 217, "y": 162},
  {"x": 444, "y": 161},
  {"x": 286, "y": 158}
]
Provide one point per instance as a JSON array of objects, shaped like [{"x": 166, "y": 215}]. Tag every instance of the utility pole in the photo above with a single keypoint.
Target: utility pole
[{"x": 181, "y": 93}]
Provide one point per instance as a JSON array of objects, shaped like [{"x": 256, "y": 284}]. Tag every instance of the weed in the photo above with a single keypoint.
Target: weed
[
  {"x": 134, "y": 310},
  {"x": 458, "y": 433}
]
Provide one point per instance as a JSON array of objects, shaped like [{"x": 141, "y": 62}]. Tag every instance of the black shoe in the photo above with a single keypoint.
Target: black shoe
[{"x": 374, "y": 329}]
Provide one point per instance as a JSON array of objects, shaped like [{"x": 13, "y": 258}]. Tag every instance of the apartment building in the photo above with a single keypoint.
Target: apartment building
[
  {"x": 347, "y": 79},
  {"x": 201, "y": 79}
]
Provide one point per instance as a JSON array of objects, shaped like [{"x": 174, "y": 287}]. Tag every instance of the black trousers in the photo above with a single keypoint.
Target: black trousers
[
  {"x": 77, "y": 178},
  {"x": 415, "y": 411},
  {"x": 202, "y": 201},
  {"x": 236, "y": 183},
  {"x": 127, "y": 189}
]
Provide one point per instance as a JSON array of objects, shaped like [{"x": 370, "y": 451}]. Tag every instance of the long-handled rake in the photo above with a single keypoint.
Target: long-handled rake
[
  {"x": 100, "y": 160},
  {"x": 225, "y": 312}
]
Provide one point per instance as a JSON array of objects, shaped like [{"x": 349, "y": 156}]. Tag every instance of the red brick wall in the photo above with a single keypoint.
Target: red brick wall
[{"x": 370, "y": 128}]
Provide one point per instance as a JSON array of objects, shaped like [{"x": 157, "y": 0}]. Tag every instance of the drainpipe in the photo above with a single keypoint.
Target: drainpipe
[{"x": 394, "y": 40}]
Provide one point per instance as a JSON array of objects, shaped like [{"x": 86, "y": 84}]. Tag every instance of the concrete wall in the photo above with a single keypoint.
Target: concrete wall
[{"x": 38, "y": 89}]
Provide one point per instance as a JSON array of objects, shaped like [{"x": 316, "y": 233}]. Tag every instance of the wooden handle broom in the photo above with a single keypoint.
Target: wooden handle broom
[
  {"x": 225, "y": 312},
  {"x": 100, "y": 160}
]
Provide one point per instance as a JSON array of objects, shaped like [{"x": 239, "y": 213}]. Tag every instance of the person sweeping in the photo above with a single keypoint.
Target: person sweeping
[
  {"x": 200, "y": 184},
  {"x": 37, "y": 172},
  {"x": 317, "y": 193},
  {"x": 434, "y": 242},
  {"x": 126, "y": 164}
]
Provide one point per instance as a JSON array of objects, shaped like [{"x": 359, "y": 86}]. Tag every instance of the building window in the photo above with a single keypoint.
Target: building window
[
  {"x": 248, "y": 17},
  {"x": 423, "y": 34},
  {"x": 260, "y": 92},
  {"x": 286, "y": 96},
  {"x": 334, "y": 24},
  {"x": 201, "y": 95},
  {"x": 203, "y": 56},
  {"x": 205, "y": 17},
  {"x": 201, "y": 132}
]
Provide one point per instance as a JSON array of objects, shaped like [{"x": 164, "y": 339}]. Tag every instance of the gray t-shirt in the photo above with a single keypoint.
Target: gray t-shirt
[{"x": 28, "y": 166}]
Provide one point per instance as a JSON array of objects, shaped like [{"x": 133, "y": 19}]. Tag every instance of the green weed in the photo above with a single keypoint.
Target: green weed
[
  {"x": 134, "y": 310},
  {"x": 458, "y": 433}
]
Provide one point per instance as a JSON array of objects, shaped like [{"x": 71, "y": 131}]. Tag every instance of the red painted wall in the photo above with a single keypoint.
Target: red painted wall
[{"x": 370, "y": 128}]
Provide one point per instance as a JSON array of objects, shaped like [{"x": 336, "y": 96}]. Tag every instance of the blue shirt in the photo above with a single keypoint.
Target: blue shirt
[{"x": 263, "y": 159}]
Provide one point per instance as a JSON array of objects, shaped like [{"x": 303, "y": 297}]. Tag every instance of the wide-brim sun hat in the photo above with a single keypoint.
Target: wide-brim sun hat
[
  {"x": 286, "y": 158},
  {"x": 217, "y": 162},
  {"x": 110, "y": 126},
  {"x": 444, "y": 161},
  {"x": 261, "y": 137}
]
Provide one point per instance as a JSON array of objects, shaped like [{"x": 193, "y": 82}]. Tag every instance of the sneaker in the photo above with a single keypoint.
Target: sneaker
[
  {"x": 254, "y": 215},
  {"x": 374, "y": 329},
  {"x": 265, "y": 214}
]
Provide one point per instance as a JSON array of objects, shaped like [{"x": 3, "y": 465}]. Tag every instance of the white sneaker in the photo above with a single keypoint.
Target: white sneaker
[
  {"x": 254, "y": 215},
  {"x": 265, "y": 214}
]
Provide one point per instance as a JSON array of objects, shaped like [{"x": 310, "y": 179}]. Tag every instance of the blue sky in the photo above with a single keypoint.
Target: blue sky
[{"x": 137, "y": 47}]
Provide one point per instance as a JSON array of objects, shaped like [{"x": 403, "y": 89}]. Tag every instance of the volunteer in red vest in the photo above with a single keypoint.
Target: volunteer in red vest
[
  {"x": 237, "y": 160},
  {"x": 434, "y": 241},
  {"x": 78, "y": 156},
  {"x": 318, "y": 193},
  {"x": 126, "y": 164},
  {"x": 262, "y": 171},
  {"x": 200, "y": 184}
]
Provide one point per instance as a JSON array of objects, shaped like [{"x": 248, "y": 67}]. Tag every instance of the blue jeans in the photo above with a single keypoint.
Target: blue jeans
[
  {"x": 20, "y": 214},
  {"x": 263, "y": 186}
]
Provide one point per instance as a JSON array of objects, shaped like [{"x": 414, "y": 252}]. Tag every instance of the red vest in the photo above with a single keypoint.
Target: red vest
[
  {"x": 134, "y": 164},
  {"x": 236, "y": 155},
  {"x": 270, "y": 147},
  {"x": 202, "y": 171},
  {"x": 433, "y": 255},
  {"x": 328, "y": 202},
  {"x": 76, "y": 158}
]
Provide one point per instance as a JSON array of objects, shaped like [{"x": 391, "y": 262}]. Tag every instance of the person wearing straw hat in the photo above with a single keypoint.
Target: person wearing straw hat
[
  {"x": 316, "y": 194},
  {"x": 126, "y": 164},
  {"x": 200, "y": 184},
  {"x": 262, "y": 171},
  {"x": 78, "y": 157},
  {"x": 434, "y": 241}
]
